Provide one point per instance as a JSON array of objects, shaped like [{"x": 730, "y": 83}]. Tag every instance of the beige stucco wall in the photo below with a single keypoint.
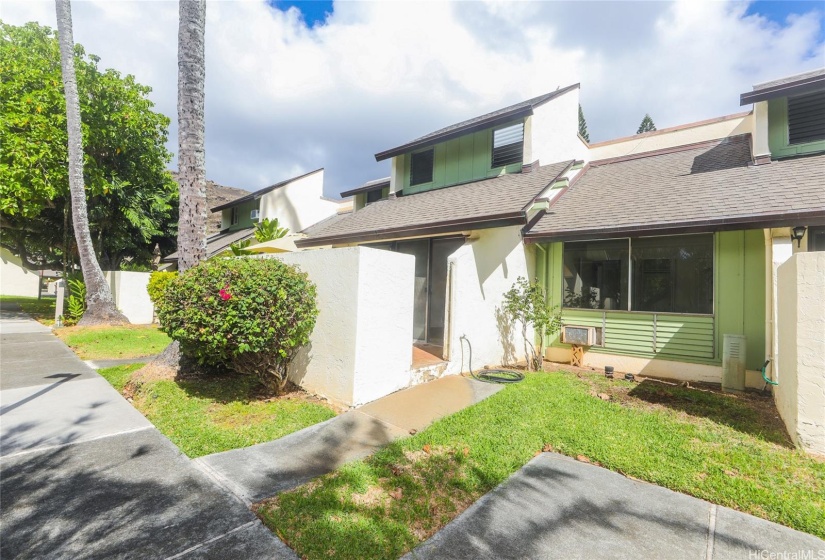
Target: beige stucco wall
[
  {"x": 299, "y": 204},
  {"x": 16, "y": 280},
  {"x": 482, "y": 270},
  {"x": 800, "y": 395},
  {"x": 552, "y": 131},
  {"x": 677, "y": 136},
  {"x": 361, "y": 348}
]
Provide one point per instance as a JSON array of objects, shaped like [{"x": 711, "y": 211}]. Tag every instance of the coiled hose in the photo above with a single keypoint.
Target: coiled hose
[{"x": 489, "y": 375}]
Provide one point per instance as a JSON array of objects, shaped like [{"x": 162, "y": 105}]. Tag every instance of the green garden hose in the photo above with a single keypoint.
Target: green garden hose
[
  {"x": 489, "y": 375},
  {"x": 765, "y": 377}
]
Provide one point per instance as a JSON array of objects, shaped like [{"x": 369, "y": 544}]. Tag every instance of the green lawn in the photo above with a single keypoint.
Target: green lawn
[
  {"x": 40, "y": 309},
  {"x": 101, "y": 343},
  {"x": 217, "y": 413},
  {"x": 730, "y": 450}
]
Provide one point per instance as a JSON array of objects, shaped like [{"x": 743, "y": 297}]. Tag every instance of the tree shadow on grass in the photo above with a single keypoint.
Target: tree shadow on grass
[{"x": 748, "y": 413}]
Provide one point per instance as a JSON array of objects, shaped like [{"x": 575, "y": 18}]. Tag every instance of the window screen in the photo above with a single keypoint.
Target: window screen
[
  {"x": 596, "y": 274},
  {"x": 673, "y": 274},
  {"x": 508, "y": 145},
  {"x": 421, "y": 167},
  {"x": 806, "y": 118},
  {"x": 235, "y": 218}
]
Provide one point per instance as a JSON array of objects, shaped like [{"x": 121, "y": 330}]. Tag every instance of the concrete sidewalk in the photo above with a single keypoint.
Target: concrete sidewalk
[
  {"x": 83, "y": 474},
  {"x": 263, "y": 470},
  {"x": 557, "y": 507}
]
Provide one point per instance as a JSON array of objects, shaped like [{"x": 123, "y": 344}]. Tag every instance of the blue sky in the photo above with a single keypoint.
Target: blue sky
[
  {"x": 775, "y": 11},
  {"x": 314, "y": 11}
]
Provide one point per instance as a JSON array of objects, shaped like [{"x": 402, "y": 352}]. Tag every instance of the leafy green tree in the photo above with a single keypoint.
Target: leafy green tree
[
  {"x": 583, "y": 125},
  {"x": 527, "y": 304},
  {"x": 131, "y": 198},
  {"x": 269, "y": 230},
  {"x": 646, "y": 125}
]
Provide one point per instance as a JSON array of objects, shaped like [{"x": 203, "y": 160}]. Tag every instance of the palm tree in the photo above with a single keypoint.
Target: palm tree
[
  {"x": 100, "y": 306},
  {"x": 191, "y": 158},
  {"x": 191, "y": 151}
]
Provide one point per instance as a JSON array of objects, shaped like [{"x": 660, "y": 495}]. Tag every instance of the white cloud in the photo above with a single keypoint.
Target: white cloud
[{"x": 283, "y": 98}]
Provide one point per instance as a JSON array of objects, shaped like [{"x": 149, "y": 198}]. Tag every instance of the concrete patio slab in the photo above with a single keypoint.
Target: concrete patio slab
[
  {"x": 127, "y": 496},
  {"x": 556, "y": 507},
  {"x": 260, "y": 471},
  {"x": 418, "y": 407}
]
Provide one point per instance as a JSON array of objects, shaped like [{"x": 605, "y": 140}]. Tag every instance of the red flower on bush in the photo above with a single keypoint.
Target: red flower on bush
[{"x": 225, "y": 295}]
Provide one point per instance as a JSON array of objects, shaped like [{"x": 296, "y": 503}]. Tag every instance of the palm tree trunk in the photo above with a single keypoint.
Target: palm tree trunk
[
  {"x": 191, "y": 159},
  {"x": 100, "y": 307},
  {"x": 191, "y": 150}
]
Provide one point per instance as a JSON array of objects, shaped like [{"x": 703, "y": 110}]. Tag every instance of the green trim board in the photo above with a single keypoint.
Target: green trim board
[
  {"x": 739, "y": 304},
  {"x": 778, "y": 132},
  {"x": 462, "y": 159}
]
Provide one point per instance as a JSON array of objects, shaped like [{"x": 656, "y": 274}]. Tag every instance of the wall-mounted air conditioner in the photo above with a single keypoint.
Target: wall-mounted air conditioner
[
  {"x": 582, "y": 336},
  {"x": 255, "y": 214}
]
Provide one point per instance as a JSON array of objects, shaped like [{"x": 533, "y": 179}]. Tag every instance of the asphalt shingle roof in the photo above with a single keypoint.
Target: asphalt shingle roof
[
  {"x": 474, "y": 203},
  {"x": 218, "y": 242},
  {"x": 706, "y": 186}
]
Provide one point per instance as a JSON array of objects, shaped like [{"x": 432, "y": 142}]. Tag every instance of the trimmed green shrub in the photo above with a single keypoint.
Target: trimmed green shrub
[
  {"x": 252, "y": 315},
  {"x": 158, "y": 281}
]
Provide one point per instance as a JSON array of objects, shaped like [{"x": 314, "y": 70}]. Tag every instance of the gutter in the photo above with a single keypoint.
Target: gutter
[{"x": 813, "y": 218}]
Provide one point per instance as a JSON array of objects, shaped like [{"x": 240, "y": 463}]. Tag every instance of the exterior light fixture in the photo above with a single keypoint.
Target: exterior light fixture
[{"x": 798, "y": 234}]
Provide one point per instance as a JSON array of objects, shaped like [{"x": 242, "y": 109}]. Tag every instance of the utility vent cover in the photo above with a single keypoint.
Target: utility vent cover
[{"x": 734, "y": 350}]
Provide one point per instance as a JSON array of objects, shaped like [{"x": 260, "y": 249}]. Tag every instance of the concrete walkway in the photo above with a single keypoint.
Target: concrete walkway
[
  {"x": 260, "y": 471},
  {"x": 84, "y": 475},
  {"x": 557, "y": 507}
]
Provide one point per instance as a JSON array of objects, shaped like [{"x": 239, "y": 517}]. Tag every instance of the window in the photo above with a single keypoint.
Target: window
[
  {"x": 596, "y": 274},
  {"x": 235, "y": 218},
  {"x": 421, "y": 167},
  {"x": 375, "y": 196},
  {"x": 816, "y": 239},
  {"x": 508, "y": 145},
  {"x": 673, "y": 274},
  {"x": 806, "y": 118},
  {"x": 667, "y": 274}
]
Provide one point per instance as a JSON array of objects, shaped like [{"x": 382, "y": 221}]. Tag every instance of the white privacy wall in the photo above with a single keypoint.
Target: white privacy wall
[
  {"x": 361, "y": 348},
  {"x": 16, "y": 280},
  {"x": 800, "y": 395},
  {"x": 130, "y": 295},
  {"x": 483, "y": 269}
]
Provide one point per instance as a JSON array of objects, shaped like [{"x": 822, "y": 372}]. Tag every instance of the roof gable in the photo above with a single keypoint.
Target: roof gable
[{"x": 487, "y": 120}]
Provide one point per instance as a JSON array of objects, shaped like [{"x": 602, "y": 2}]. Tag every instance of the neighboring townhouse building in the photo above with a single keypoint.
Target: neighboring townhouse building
[
  {"x": 297, "y": 203},
  {"x": 663, "y": 242},
  {"x": 457, "y": 199}
]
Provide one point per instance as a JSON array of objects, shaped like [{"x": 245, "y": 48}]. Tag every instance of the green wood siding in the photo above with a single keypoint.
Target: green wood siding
[
  {"x": 467, "y": 158},
  {"x": 244, "y": 221},
  {"x": 739, "y": 308},
  {"x": 778, "y": 132}
]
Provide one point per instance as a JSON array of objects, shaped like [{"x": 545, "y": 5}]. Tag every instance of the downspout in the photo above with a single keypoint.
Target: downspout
[{"x": 772, "y": 346}]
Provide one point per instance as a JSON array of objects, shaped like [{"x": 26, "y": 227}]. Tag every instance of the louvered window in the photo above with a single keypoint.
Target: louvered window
[
  {"x": 508, "y": 145},
  {"x": 421, "y": 167},
  {"x": 806, "y": 118}
]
